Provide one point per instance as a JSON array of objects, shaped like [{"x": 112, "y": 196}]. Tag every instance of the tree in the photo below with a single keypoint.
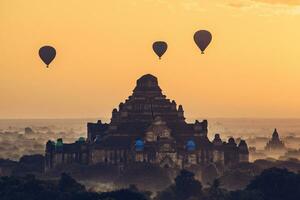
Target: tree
[
  {"x": 68, "y": 184},
  {"x": 215, "y": 192},
  {"x": 246, "y": 195},
  {"x": 187, "y": 186},
  {"x": 123, "y": 194},
  {"x": 277, "y": 184}
]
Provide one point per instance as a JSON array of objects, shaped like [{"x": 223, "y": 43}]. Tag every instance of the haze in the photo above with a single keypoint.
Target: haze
[{"x": 251, "y": 68}]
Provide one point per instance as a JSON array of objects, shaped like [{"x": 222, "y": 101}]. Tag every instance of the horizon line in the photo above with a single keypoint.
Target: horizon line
[{"x": 105, "y": 118}]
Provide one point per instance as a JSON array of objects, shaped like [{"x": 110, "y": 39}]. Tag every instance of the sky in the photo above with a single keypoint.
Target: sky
[{"x": 251, "y": 68}]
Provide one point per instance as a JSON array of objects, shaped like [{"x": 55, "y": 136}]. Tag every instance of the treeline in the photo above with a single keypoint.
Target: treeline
[{"x": 271, "y": 184}]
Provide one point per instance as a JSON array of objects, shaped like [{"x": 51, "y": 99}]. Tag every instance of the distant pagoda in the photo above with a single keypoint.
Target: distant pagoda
[{"x": 275, "y": 143}]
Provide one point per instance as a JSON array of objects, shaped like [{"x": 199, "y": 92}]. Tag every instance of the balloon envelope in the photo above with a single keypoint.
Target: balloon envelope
[
  {"x": 160, "y": 47},
  {"x": 47, "y": 54},
  {"x": 202, "y": 38}
]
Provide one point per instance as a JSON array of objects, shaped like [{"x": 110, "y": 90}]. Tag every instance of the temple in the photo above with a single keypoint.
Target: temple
[
  {"x": 275, "y": 143},
  {"x": 147, "y": 128}
]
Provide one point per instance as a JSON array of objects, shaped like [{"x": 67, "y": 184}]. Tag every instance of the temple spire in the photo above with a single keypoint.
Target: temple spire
[{"x": 275, "y": 134}]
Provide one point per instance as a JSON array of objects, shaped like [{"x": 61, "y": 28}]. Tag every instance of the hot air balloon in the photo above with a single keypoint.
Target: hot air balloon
[
  {"x": 160, "y": 47},
  {"x": 202, "y": 38},
  {"x": 47, "y": 54}
]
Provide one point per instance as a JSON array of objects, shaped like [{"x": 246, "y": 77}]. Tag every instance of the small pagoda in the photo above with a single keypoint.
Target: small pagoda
[{"x": 275, "y": 143}]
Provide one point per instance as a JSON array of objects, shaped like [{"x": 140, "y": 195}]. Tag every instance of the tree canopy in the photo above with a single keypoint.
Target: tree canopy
[{"x": 271, "y": 184}]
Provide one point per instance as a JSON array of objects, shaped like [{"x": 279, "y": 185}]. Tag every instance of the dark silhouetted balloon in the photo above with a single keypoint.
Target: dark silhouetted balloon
[
  {"x": 202, "y": 38},
  {"x": 160, "y": 47},
  {"x": 47, "y": 54}
]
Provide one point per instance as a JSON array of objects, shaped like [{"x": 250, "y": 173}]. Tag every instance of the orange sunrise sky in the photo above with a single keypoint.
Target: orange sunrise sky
[{"x": 251, "y": 68}]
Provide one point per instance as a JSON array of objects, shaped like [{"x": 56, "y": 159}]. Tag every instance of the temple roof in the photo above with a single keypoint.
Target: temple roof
[
  {"x": 146, "y": 103},
  {"x": 147, "y": 82},
  {"x": 120, "y": 142}
]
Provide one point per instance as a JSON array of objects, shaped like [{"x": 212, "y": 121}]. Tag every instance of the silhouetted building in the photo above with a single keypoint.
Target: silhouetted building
[
  {"x": 149, "y": 128},
  {"x": 28, "y": 130},
  {"x": 275, "y": 143}
]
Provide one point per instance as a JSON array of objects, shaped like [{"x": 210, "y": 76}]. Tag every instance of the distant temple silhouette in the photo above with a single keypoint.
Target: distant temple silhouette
[
  {"x": 147, "y": 128},
  {"x": 275, "y": 143}
]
